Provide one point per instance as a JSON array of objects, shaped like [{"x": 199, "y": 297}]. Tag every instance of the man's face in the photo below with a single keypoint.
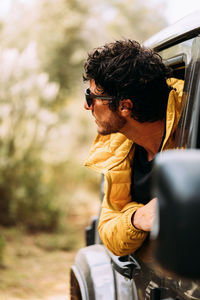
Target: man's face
[{"x": 107, "y": 121}]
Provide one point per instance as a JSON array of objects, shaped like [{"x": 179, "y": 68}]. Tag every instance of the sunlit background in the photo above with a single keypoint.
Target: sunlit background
[{"x": 47, "y": 197}]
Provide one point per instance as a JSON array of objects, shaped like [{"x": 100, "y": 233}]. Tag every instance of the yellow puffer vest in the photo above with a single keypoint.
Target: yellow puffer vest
[{"x": 112, "y": 155}]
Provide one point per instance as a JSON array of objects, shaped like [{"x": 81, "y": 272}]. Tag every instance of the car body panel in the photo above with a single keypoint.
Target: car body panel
[
  {"x": 96, "y": 277},
  {"x": 183, "y": 29}
]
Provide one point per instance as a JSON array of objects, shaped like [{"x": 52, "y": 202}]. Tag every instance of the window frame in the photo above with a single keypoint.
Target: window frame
[{"x": 188, "y": 53}]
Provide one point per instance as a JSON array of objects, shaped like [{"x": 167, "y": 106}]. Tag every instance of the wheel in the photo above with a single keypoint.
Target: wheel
[{"x": 75, "y": 292}]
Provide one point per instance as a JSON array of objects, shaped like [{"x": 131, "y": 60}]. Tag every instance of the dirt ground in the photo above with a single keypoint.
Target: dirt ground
[
  {"x": 34, "y": 266},
  {"x": 33, "y": 273}
]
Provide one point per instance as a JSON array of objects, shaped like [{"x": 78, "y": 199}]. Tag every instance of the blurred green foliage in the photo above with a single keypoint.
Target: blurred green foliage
[
  {"x": 43, "y": 133},
  {"x": 2, "y": 249},
  {"x": 26, "y": 97},
  {"x": 137, "y": 19},
  {"x": 57, "y": 28}
]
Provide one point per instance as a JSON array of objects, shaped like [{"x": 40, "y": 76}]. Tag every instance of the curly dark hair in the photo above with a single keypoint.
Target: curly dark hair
[{"x": 126, "y": 70}]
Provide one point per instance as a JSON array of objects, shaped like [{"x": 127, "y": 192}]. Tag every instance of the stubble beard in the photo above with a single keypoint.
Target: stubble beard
[{"x": 112, "y": 126}]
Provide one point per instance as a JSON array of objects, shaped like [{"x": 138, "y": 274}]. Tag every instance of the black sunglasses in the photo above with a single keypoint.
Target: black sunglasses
[{"x": 89, "y": 97}]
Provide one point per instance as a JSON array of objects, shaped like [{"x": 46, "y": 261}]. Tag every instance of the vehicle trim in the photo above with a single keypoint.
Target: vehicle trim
[
  {"x": 182, "y": 30},
  {"x": 82, "y": 283}
]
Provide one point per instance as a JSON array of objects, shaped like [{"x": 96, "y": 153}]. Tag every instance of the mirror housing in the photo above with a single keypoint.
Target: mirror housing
[{"x": 176, "y": 232}]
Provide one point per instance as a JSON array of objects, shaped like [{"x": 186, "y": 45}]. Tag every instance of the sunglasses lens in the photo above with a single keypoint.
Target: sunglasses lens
[{"x": 88, "y": 98}]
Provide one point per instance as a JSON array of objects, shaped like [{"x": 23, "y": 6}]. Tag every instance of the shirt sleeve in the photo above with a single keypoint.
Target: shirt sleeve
[{"x": 116, "y": 229}]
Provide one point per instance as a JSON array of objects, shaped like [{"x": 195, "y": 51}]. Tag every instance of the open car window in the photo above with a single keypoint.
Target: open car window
[
  {"x": 184, "y": 59},
  {"x": 178, "y": 65}
]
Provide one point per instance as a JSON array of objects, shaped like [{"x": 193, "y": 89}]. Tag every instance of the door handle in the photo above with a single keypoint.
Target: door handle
[{"x": 126, "y": 266}]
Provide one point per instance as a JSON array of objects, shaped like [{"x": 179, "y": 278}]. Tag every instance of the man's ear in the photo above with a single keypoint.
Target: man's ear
[{"x": 126, "y": 106}]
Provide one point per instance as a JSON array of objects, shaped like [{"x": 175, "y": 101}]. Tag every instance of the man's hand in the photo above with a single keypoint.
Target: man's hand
[{"x": 144, "y": 217}]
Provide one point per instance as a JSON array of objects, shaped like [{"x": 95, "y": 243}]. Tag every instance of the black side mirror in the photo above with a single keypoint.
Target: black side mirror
[{"x": 176, "y": 232}]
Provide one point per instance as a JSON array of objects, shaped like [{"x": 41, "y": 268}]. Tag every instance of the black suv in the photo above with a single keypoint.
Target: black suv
[{"x": 97, "y": 273}]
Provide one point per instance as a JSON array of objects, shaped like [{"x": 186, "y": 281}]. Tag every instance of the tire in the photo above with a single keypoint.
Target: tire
[{"x": 75, "y": 292}]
